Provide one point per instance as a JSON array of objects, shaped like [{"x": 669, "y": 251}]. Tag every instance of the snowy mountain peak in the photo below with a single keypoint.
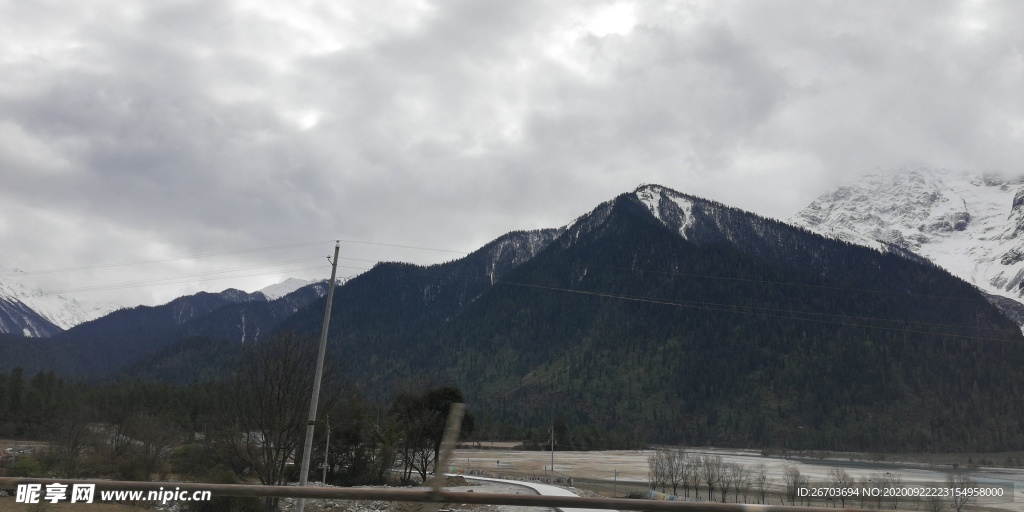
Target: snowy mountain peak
[
  {"x": 58, "y": 310},
  {"x": 968, "y": 223},
  {"x": 671, "y": 208},
  {"x": 283, "y": 288}
]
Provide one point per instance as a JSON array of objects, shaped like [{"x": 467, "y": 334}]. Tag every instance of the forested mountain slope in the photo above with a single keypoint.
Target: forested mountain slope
[{"x": 694, "y": 322}]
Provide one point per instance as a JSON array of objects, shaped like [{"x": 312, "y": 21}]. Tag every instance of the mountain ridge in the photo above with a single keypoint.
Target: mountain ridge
[
  {"x": 967, "y": 223},
  {"x": 40, "y": 313},
  {"x": 669, "y": 316}
]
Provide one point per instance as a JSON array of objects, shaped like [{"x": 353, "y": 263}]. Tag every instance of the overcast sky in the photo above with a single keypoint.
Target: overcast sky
[{"x": 146, "y": 130}]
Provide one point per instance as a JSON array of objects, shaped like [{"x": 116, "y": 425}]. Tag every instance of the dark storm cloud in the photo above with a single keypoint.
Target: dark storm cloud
[{"x": 132, "y": 131}]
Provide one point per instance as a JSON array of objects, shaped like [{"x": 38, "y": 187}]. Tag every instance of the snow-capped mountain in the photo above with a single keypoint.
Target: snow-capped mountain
[
  {"x": 283, "y": 288},
  {"x": 21, "y": 302},
  {"x": 967, "y": 223}
]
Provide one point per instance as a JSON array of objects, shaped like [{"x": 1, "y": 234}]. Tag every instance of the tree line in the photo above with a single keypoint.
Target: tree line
[
  {"x": 693, "y": 476},
  {"x": 248, "y": 427}
]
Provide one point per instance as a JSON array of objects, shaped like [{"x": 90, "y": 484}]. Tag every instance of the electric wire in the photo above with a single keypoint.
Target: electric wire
[
  {"x": 434, "y": 249},
  {"x": 340, "y": 278},
  {"x": 733, "y": 308},
  {"x": 158, "y": 280},
  {"x": 763, "y": 311},
  {"x": 782, "y": 283},
  {"x": 224, "y": 253},
  {"x": 752, "y": 310}
]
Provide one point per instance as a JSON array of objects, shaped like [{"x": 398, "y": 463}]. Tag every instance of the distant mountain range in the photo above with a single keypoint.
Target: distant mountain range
[
  {"x": 967, "y": 223},
  {"x": 127, "y": 335},
  {"x": 35, "y": 313},
  {"x": 675, "y": 317},
  {"x": 32, "y": 312}
]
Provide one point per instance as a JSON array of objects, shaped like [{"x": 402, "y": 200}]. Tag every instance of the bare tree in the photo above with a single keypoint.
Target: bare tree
[
  {"x": 416, "y": 450},
  {"x": 270, "y": 403},
  {"x": 864, "y": 483},
  {"x": 761, "y": 482},
  {"x": 741, "y": 481},
  {"x": 893, "y": 481},
  {"x": 683, "y": 467},
  {"x": 840, "y": 480},
  {"x": 878, "y": 480},
  {"x": 673, "y": 468},
  {"x": 655, "y": 469},
  {"x": 959, "y": 481},
  {"x": 793, "y": 481},
  {"x": 726, "y": 481},
  {"x": 71, "y": 437},
  {"x": 153, "y": 440},
  {"x": 712, "y": 473},
  {"x": 695, "y": 472}
]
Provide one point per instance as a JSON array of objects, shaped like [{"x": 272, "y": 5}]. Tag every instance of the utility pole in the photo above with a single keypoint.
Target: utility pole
[
  {"x": 552, "y": 450},
  {"x": 307, "y": 449},
  {"x": 327, "y": 447}
]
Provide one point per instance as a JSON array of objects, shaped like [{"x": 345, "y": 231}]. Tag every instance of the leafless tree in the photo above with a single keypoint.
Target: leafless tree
[
  {"x": 71, "y": 437},
  {"x": 864, "y": 483},
  {"x": 793, "y": 481},
  {"x": 761, "y": 482},
  {"x": 893, "y": 480},
  {"x": 958, "y": 481},
  {"x": 673, "y": 468},
  {"x": 685, "y": 467},
  {"x": 655, "y": 469},
  {"x": 878, "y": 480},
  {"x": 270, "y": 404},
  {"x": 840, "y": 480},
  {"x": 711, "y": 467},
  {"x": 741, "y": 481},
  {"x": 153, "y": 441},
  {"x": 695, "y": 472},
  {"x": 727, "y": 481},
  {"x": 682, "y": 472}
]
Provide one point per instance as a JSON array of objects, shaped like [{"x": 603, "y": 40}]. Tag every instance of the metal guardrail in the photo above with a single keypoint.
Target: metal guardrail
[{"x": 416, "y": 495}]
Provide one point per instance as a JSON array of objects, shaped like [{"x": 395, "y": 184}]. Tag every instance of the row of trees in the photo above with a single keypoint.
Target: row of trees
[
  {"x": 677, "y": 469},
  {"x": 692, "y": 473},
  {"x": 249, "y": 427}
]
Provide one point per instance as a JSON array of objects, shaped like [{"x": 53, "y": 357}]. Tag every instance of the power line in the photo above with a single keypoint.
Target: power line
[
  {"x": 731, "y": 308},
  {"x": 780, "y": 283},
  {"x": 776, "y": 313},
  {"x": 224, "y": 253},
  {"x": 163, "y": 260},
  {"x": 403, "y": 246},
  {"x": 840, "y": 319},
  {"x": 145, "y": 282},
  {"x": 86, "y": 290}
]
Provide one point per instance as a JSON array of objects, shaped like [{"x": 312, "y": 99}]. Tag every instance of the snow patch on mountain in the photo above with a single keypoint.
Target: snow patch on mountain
[
  {"x": 283, "y": 288},
  {"x": 64, "y": 312},
  {"x": 968, "y": 223},
  {"x": 515, "y": 248},
  {"x": 671, "y": 208}
]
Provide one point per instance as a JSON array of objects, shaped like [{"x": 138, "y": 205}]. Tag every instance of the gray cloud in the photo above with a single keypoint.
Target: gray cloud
[{"x": 140, "y": 131}]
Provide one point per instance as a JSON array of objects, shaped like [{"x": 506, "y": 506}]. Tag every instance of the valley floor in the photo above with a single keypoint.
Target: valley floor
[{"x": 622, "y": 472}]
